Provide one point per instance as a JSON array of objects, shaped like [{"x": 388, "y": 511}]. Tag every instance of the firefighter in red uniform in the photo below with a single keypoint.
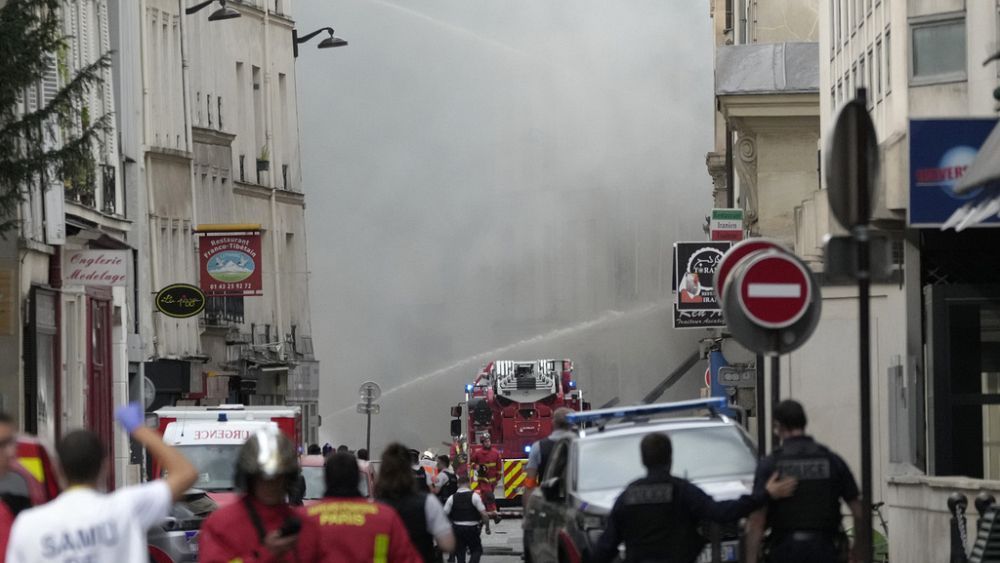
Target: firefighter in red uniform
[
  {"x": 346, "y": 526},
  {"x": 487, "y": 463},
  {"x": 261, "y": 527}
]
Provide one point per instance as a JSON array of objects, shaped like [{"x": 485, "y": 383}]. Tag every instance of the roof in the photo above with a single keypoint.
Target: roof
[
  {"x": 645, "y": 427},
  {"x": 768, "y": 68}
]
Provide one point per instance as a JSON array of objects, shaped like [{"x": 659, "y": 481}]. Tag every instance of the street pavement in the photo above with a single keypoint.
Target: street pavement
[{"x": 504, "y": 544}]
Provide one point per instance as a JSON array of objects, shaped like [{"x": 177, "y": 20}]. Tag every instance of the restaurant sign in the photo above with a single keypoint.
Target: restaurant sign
[
  {"x": 230, "y": 264},
  {"x": 180, "y": 301}
]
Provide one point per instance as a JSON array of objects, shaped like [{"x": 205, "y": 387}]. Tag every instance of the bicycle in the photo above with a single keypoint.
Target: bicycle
[{"x": 880, "y": 539}]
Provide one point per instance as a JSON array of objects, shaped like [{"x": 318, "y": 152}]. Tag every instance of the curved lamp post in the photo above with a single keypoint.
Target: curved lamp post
[
  {"x": 328, "y": 43},
  {"x": 223, "y": 13}
]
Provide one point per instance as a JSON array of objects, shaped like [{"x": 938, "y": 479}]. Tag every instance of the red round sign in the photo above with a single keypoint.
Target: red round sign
[
  {"x": 774, "y": 289},
  {"x": 733, "y": 256}
]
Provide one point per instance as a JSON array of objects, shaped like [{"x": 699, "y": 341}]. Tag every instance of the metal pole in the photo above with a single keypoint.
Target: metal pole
[
  {"x": 368, "y": 433},
  {"x": 775, "y": 392},
  {"x": 761, "y": 409},
  {"x": 864, "y": 330}
]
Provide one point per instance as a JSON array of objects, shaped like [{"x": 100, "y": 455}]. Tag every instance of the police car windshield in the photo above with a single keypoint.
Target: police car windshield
[
  {"x": 704, "y": 453},
  {"x": 316, "y": 484},
  {"x": 216, "y": 464}
]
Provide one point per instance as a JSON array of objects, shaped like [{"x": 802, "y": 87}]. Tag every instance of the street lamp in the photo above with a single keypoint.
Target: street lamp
[
  {"x": 327, "y": 43},
  {"x": 223, "y": 13}
]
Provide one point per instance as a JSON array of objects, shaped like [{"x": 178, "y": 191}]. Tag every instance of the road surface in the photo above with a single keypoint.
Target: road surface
[{"x": 504, "y": 545}]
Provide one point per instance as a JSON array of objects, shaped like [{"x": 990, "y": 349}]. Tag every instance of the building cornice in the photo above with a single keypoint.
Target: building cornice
[
  {"x": 264, "y": 192},
  {"x": 169, "y": 154},
  {"x": 770, "y": 105},
  {"x": 212, "y": 137}
]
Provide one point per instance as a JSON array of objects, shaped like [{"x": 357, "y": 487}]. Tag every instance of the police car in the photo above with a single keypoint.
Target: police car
[{"x": 585, "y": 474}]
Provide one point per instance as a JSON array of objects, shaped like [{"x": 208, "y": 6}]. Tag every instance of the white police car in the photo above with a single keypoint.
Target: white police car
[{"x": 585, "y": 474}]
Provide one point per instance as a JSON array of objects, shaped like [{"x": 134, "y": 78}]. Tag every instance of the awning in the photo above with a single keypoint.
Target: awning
[
  {"x": 983, "y": 175},
  {"x": 985, "y": 168}
]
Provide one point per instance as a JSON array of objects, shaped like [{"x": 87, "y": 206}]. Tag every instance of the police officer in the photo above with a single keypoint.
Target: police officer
[
  {"x": 806, "y": 526},
  {"x": 657, "y": 516},
  {"x": 540, "y": 450}
]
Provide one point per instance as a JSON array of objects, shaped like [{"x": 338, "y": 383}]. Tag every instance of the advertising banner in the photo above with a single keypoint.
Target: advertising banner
[
  {"x": 230, "y": 264},
  {"x": 107, "y": 268},
  {"x": 940, "y": 152},
  {"x": 695, "y": 302}
]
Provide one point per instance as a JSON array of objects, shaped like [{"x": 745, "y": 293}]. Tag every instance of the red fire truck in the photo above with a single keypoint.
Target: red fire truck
[
  {"x": 211, "y": 438},
  {"x": 513, "y": 402}
]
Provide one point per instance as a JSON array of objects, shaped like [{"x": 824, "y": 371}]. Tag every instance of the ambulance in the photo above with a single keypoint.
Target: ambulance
[{"x": 211, "y": 438}]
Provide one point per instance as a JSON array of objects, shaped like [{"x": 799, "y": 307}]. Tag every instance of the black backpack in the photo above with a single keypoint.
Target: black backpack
[{"x": 449, "y": 488}]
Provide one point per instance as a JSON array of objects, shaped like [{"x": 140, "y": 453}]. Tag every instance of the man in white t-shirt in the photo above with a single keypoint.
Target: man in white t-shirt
[{"x": 87, "y": 526}]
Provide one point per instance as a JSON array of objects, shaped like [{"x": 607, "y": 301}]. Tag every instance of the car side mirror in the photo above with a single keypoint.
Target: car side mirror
[
  {"x": 456, "y": 411},
  {"x": 456, "y": 427},
  {"x": 552, "y": 489}
]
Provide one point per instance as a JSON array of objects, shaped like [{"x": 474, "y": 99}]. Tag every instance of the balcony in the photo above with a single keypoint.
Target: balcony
[{"x": 223, "y": 311}]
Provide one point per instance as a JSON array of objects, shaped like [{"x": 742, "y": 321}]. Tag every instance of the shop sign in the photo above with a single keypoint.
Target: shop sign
[
  {"x": 940, "y": 152},
  {"x": 107, "y": 268},
  {"x": 230, "y": 264},
  {"x": 695, "y": 303},
  {"x": 726, "y": 224},
  {"x": 180, "y": 301}
]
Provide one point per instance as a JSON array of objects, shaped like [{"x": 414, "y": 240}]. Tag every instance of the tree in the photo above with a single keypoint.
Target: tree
[{"x": 46, "y": 130}]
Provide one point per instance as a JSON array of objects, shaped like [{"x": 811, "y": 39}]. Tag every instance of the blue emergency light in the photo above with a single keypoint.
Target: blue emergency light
[
  {"x": 223, "y": 417},
  {"x": 572, "y": 384},
  {"x": 468, "y": 388},
  {"x": 527, "y": 449},
  {"x": 604, "y": 415}
]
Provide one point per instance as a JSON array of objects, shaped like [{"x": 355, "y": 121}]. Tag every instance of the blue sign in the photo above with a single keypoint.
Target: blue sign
[{"x": 940, "y": 152}]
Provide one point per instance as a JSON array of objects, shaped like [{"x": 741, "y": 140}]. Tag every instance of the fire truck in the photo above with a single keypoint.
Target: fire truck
[
  {"x": 211, "y": 438},
  {"x": 513, "y": 402}
]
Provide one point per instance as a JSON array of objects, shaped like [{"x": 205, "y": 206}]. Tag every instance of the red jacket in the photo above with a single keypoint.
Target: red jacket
[
  {"x": 229, "y": 533},
  {"x": 490, "y": 459},
  {"x": 6, "y": 521},
  {"x": 357, "y": 530}
]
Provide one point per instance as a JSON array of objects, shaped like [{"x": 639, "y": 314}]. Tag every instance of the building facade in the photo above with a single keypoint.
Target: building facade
[{"x": 203, "y": 105}]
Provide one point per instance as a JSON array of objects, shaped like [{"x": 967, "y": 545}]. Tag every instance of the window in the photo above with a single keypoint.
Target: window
[
  {"x": 938, "y": 50},
  {"x": 861, "y": 74},
  {"x": 878, "y": 68},
  {"x": 869, "y": 79},
  {"x": 833, "y": 27},
  {"x": 218, "y": 100},
  {"x": 888, "y": 61},
  {"x": 208, "y": 108},
  {"x": 836, "y": 39}
]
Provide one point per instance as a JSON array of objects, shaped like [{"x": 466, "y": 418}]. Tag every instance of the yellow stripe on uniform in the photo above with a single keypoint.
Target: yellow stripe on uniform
[{"x": 381, "y": 549}]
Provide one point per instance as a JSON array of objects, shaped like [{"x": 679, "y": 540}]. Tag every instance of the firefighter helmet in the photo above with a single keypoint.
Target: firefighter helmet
[{"x": 268, "y": 454}]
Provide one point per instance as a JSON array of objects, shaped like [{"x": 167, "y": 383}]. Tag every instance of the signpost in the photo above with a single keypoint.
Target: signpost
[
  {"x": 851, "y": 171},
  {"x": 696, "y": 300},
  {"x": 370, "y": 391},
  {"x": 774, "y": 290}
]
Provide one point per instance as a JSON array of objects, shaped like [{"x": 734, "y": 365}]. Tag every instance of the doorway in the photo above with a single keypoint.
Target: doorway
[{"x": 100, "y": 398}]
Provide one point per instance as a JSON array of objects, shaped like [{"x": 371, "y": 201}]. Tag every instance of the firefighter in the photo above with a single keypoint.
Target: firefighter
[
  {"x": 486, "y": 462},
  {"x": 805, "y": 527},
  {"x": 261, "y": 526},
  {"x": 657, "y": 516},
  {"x": 346, "y": 526}
]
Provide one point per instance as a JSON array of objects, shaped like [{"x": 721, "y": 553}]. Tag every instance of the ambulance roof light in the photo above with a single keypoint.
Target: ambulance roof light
[
  {"x": 223, "y": 417},
  {"x": 605, "y": 415}
]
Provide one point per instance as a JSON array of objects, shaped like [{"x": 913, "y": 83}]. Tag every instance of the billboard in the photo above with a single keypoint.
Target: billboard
[
  {"x": 695, "y": 302},
  {"x": 940, "y": 152},
  {"x": 230, "y": 264}
]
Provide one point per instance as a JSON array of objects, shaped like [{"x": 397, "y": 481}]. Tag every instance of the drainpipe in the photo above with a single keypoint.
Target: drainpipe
[
  {"x": 269, "y": 134},
  {"x": 189, "y": 145}
]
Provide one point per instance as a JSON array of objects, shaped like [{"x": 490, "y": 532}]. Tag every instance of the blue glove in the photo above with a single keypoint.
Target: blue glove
[{"x": 130, "y": 416}]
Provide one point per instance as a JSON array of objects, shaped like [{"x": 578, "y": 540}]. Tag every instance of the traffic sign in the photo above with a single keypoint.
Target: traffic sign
[
  {"x": 777, "y": 321},
  {"x": 726, "y": 224},
  {"x": 738, "y": 376},
  {"x": 370, "y": 391},
  {"x": 774, "y": 289},
  {"x": 852, "y": 165},
  {"x": 364, "y": 408},
  {"x": 733, "y": 256}
]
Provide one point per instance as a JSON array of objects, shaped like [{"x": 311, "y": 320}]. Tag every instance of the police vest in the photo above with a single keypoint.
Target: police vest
[
  {"x": 462, "y": 509},
  {"x": 654, "y": 523},
  {"x": 420, "y": 478},
  {"x": 815, "y": 505},
  {"x": 449, "y": 488}
]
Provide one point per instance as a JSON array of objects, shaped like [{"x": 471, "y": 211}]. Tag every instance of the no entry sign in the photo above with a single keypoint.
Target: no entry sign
[
  {"x": 737, "y": 253},
  {"x": 774, "y": 290}
]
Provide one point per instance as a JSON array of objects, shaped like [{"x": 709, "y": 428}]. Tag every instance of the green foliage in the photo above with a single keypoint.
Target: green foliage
[{"x": 33, "y": 45}]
